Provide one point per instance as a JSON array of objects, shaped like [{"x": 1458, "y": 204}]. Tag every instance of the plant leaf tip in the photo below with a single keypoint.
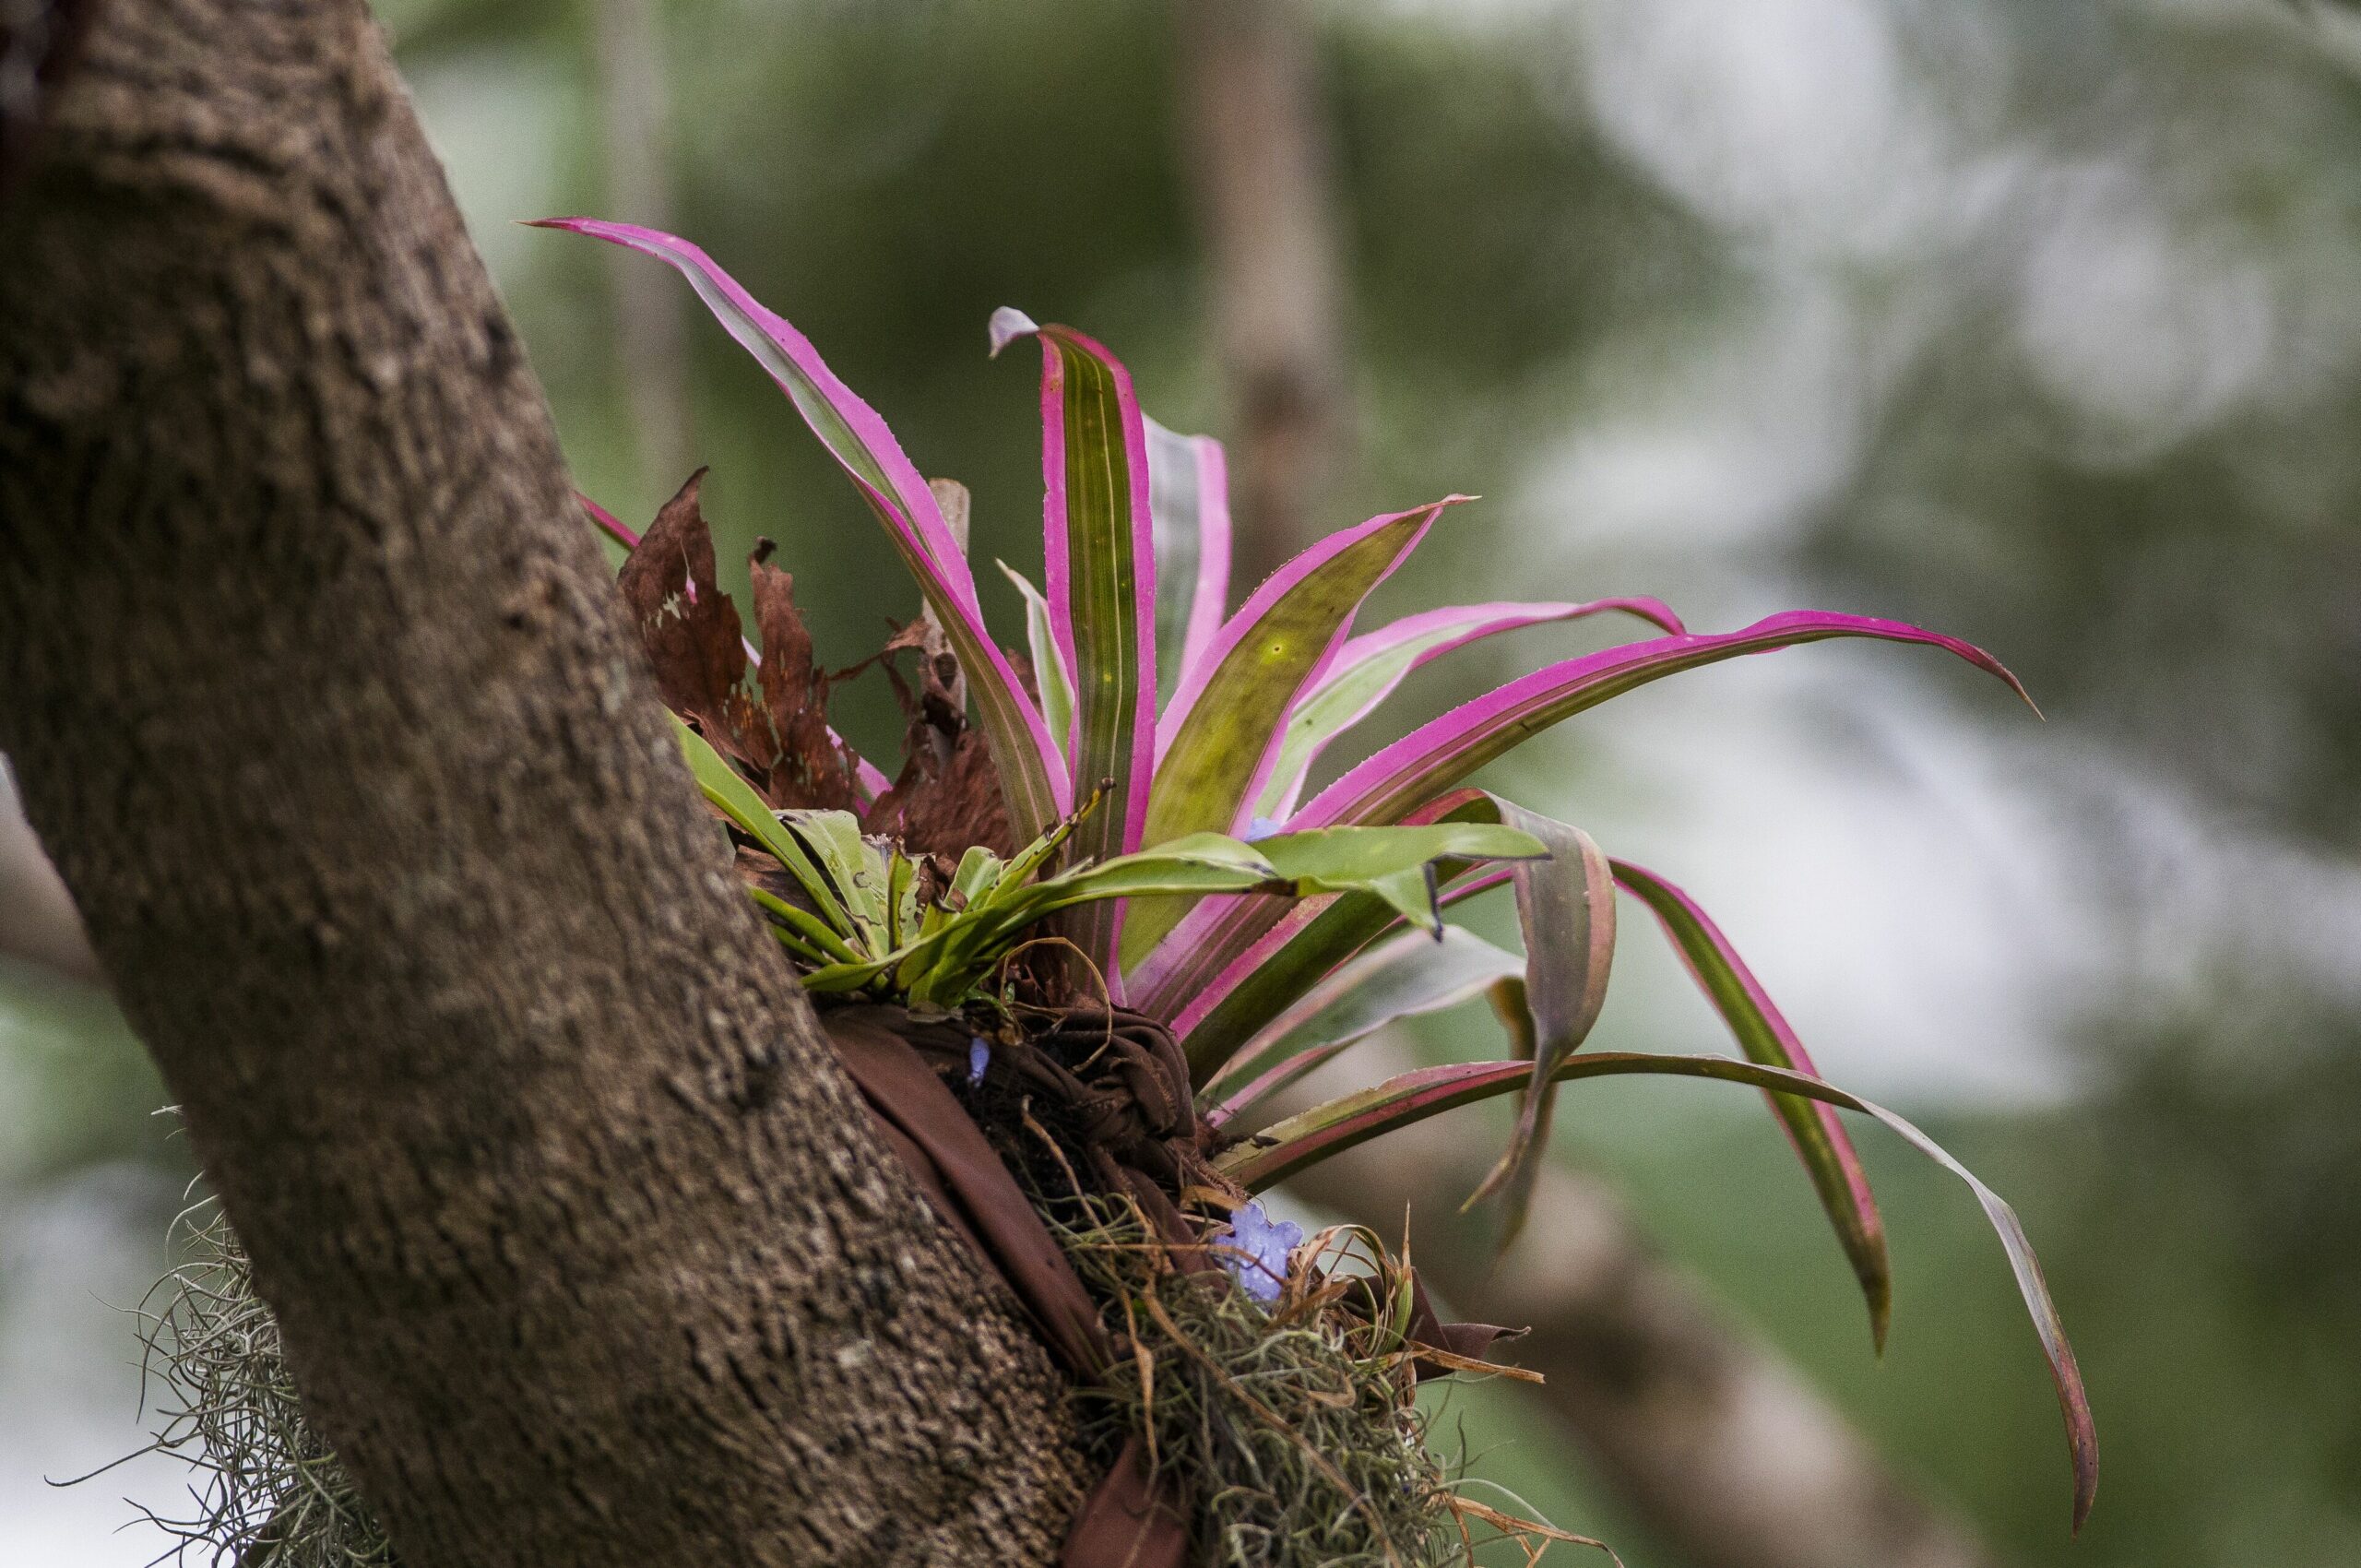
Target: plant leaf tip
[
  {"x": 2082, "y": 1441},
  {"x": 1008, "y": 324},
  {"x": 1986, "y": 660}
]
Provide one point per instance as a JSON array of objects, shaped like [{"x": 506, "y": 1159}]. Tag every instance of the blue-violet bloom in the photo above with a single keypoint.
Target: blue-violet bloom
[{"x": 1257, "y": 1251}]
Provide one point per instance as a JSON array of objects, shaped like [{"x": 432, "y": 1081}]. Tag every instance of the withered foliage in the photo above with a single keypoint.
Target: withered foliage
[
  {"x": 813, "y": 767},
  {"x": 696, "y": 644},
  {"x": 946, "y": 796},
  {"x": 690, "y": 628}
]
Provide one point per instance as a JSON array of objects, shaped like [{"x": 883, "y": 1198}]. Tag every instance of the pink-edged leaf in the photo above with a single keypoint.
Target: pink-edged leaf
[
  {"x": 868, "y": 779},
  {"x": 1187, "y": 489},
  {"x": 1221, "y": 732},
  {"x": 1098, "y": 543},
  {"x": 1368, "y": 668},
  {"x": 1234, "y": 1003},
  {"x": 1216, "y": 1020},
  {"x": 1408, "y": 976},
  {"x": 1281, "y": 641},
  {"x": 1280, "y": 1150},
  {"x": 1219, "y": 932},
  {"x": 1439, "y": 753},
  {"x": 1763, "y": 1033},
  {"x": 608, "y": 524},
  {"x": 1565, "y": 907},
  {"x": 1566, "y": 914},
  {"x": 1032, "y": 773}
]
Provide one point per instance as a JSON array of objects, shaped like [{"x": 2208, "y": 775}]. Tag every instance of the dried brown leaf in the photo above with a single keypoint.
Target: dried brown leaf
[
  {"x": 811, "y": 769},
  {"x": 947, "y": 795},
  {"x": 942, "y": 806},
  {"x": 692, "y": 633}
]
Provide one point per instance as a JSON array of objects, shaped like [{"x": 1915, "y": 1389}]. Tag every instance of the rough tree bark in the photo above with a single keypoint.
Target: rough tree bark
[{"x": 584, "y": 1250}]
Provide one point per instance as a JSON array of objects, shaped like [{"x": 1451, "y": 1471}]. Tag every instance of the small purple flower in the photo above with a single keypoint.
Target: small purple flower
[
  {"x": 1258, "y": 1249},
  {"x": 979, "y": 1056},
  {"x": 1259, "y": 829}
]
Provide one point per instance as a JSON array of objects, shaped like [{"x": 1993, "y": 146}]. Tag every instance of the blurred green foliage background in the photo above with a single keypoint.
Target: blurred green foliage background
[{"x": 2037, "y": 321}]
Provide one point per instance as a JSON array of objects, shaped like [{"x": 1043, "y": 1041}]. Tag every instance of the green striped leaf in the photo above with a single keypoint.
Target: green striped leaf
[
  {"x": 1049, "y": 670},
  {"x": 1403, "y": 977},
  {"x": 1100, "y": 567},
  {"x": 1220, "y": 734}
]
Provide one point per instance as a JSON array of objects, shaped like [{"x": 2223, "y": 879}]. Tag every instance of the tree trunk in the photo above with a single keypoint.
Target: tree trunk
[{"x": 584, "y": 1251}]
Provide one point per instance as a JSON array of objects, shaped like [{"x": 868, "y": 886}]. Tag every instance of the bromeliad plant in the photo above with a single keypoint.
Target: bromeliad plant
[
  {"x": 873, "y": 926},
  {"x": 1155, "y": 770}
]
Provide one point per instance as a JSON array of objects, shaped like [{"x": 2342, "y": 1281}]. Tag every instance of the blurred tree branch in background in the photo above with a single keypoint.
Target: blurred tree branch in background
[
  {"x": 634, "y": 115},
  {"x": 1254, "y": 141}
]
